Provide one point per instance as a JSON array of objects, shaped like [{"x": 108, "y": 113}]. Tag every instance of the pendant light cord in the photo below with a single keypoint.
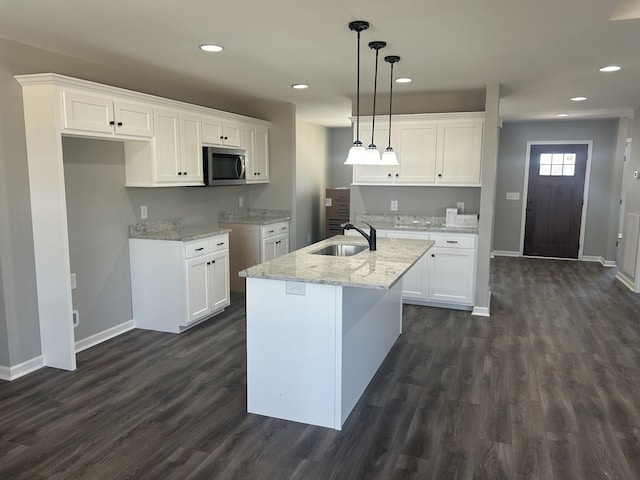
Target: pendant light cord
[
  {"x": 375, "y": 87},
  {"x": 358, "y": 96},
  {"x": 390, "y": 104}
]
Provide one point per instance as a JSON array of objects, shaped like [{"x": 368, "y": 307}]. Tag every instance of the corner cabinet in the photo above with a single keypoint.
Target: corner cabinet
[
  {"x": 433, "y": 149},
  {"x": 175, "y": 285}
]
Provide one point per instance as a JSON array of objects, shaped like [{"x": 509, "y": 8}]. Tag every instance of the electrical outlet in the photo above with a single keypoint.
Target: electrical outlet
[
  {"x": 394, "y": 205},
  {"x": 460, "y": 206},
  {"x": 295, "y": 288},
  {"x": 240, "y": 201},
  {"x": 74, "y": 283},
  {"x": 143, "y": 212}
]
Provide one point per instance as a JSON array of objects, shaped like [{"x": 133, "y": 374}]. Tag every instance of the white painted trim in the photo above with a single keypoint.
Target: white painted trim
[
  {"x": 626, "y": 282},
  {"x": 505, "y": 253},
  {"x": 483, "y": 311},
  {"x": 599, "y": 259},
  {"x": 585, "y": 192},
  {"x": 104, "y": 336},
  {"x": 20, "y": 370},
  {"x": 608, "y": 263}
]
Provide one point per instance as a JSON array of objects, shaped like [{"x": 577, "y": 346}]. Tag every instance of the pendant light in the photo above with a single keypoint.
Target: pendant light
[
  {"x": 357, "y": 153},
  {"x": 373, "y": 155},
  {"x": 389, "y": 156}
]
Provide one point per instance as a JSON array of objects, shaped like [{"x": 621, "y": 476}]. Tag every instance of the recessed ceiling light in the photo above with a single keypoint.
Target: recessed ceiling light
[
  {"x": 578, "y": 99},
  {"x": 209, "y": 47},
  {"x": 562, "y": 115},
  {"x": 299, "y": 86},
  {"x": 610, "y": 68},
  {"x": 404, "y": 80}
]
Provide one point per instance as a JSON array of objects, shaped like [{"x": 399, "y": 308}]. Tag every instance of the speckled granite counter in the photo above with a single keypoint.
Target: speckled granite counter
[
  {"x": 380, "y": 269},
  {"x": 255, "y": 216},
  {"x": 417, "y": 223},
  {"x": 173, "y": 230}
]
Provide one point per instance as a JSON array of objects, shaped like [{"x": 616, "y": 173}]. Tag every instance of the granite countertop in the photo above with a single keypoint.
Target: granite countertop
[
  {"x": 257, "y": 216},
  {"x": 380, "y": 269},
  {"x": 173, "y": 230},
  {"x": 416, "y": 223}
]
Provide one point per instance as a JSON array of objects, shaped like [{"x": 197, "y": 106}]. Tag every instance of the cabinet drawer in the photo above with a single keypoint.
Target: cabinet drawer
[
  {"x": 219, "y": 243},
  {"x": 195, "y": 248},
  {"x": 275, "y": 229},
  {"x": 454, "y": 241}
]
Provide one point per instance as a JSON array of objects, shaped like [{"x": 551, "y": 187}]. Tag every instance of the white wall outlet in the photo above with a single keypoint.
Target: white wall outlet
[
  {"x": 240, "y": 202},
  {"x": 143, "y": 212},
  {"x": 295, "y": 288},
  {"x": 513, "y": 195},
  {"x": 460, "y": 206},
  {"x": 394, "y": 205},
  {"x": 74, "y": 283}
]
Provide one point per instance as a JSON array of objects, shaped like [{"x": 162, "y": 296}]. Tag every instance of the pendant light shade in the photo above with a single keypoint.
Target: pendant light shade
[
  {"x": 389, "y": 156},
  {"x": 357, "y": 153}
]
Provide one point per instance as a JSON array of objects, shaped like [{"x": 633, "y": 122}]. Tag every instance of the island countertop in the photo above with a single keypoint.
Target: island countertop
[{"x": 379, "y": 269}]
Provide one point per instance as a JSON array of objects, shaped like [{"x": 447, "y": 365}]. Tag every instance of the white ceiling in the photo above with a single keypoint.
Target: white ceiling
[{"x": 542, "y": 51}]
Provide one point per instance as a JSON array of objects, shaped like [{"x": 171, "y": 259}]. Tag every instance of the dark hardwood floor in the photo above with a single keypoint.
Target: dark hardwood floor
[{"x": 547, "y": 388}]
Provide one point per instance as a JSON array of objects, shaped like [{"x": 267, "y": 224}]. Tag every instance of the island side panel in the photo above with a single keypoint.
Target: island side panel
[
  {"x": 371, "y": 323},
  {"x": 293, "y": 352}
]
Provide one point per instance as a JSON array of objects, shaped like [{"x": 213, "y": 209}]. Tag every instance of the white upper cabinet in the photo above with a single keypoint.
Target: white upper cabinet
[
  {"x": 105, "y": 116},
  {"x": 220, "y": 131},
  {"x": 255, "y": 141},
  {"x": 442, "y": 149},
  {"x": 459, "y": 152}
]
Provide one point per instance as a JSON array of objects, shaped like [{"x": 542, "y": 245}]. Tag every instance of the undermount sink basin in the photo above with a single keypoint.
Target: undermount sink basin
[{"x": 340, "y": 250}]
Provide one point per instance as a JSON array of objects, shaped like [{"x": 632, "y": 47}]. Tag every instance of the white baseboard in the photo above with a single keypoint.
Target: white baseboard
[
  {"x": 608, "y": 263},
  {"x": 505, "y": 253},
  {"x": 483, "y": 311},
  {"x": 20, "y": 370},
  {"x": 626, "y": 281},
  {"x": 598, "y": 259},
  {"x": 104, "y": 336}
]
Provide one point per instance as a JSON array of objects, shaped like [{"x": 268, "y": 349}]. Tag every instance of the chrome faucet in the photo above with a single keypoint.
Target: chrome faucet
[{"x": 371, "y": 238}]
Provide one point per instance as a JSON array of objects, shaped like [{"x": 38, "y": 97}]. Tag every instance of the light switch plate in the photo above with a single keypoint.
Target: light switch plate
[
  {"x": 513, "y": 195},
  {"x": 394, "y": 205},
  {"x": 460, "y": 206},
  {"x": 74, "y": 282},
  {"x": 143, "y": 212}
]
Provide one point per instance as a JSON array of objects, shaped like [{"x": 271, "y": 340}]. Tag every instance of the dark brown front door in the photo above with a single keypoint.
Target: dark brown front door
[{"x": 554, "y": 200}]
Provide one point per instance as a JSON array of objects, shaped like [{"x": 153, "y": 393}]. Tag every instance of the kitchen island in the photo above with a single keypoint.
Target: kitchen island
[{"x": 319, "y": 326}]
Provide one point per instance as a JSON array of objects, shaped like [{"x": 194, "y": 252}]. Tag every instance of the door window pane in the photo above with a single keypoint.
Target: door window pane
[
  {"x": 556, "y": 170},
  {"x": 558, "y": 159},
  {"x": 545, "y": 159},
  {"x": 557, "y": 164},
  {"x": 545, "y": 169},
  {"x": 568, "y": 170}
]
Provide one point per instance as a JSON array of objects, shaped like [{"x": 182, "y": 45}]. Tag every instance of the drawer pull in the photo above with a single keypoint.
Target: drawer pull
[
  {"x": 271, "y": 231},
  {"x": 198, "y": 249},
  {"x": 452, "y": 241},
  {"x": 218, "y": 244},
  {"x": 283, "y": 228}
]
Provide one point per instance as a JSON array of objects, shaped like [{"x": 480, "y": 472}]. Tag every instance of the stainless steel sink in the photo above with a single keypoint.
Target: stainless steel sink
[{"x": 340, "y": 250}]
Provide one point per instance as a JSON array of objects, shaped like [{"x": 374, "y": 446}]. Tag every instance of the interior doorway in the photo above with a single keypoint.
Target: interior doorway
[{"x": 555, "y": 199}]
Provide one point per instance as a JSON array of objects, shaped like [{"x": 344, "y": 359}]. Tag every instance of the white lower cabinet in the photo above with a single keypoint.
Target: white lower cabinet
[
  {"x": 176, "y": 284},
  {"x": 275, "y": 240},
  {"x": 445, "y": 275}
]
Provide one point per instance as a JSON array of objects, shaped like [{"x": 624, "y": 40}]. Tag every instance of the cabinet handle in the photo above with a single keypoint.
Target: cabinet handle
[
  {"x": 184, "y": 173},
  {"x": 389, "y": 175},
  {"x": 258, "y": 173},
  {"x": 433, "y": 255},
  {"x": 112, "y": 123},
  {"x": 397, "y": 174},
  {"x": 271, "y": 231},
  {"x": 283, "y": 228},
  {"x": 218, "y": 244},
  {"x": 179, "y": 173},
  {"x": 439, "y": 174},
  {"x": 213, "y": 261},
  {"x": 208, "y": 263},
  {"x": 119, "y": 124},
  {"x": 198, "y": 249},
  {"x": 452, "y": 241}
]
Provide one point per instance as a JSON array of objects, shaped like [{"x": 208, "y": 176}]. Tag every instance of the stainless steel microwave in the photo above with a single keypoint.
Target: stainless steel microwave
[{"x": 224, "y": 166}]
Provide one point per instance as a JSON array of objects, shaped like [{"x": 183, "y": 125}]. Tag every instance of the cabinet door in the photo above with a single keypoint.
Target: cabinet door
[
  {"x": 167, "y": 146},
  {"x": 198, "y": 287},
  {"x": 414, "y": 282},
  {"x": 373, "y": 173},
  {"x": 133, "y": 119},
  {"x": 219, "y": 280},
  {"x": 451, "y": 275},
  {"x": 231, "y": 134},
  {"x": 191, "y": 149},
  {"x": 247, "y": 143},
  {"x": 282, "y": 245},
  {"x": 212, "y": 130},
  {"x": 89, "y": 113},
  {"x": 261, "y": 154},
  {"x": 269, "y": 248},
  {"x": 459, "y": 153},
  {"x": 416, "y": 151}
]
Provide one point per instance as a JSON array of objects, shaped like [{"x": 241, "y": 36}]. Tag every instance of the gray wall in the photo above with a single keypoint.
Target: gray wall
[
  {"x": 511, "y": 174},
  {"x": 311, "y": 181},
  {"x": 340, "y": 141},
  {"x": 19, "y": 315}
]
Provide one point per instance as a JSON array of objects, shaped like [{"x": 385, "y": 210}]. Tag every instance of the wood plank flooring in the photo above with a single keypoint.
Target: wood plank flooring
[{"x": 547, "y": 388}]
